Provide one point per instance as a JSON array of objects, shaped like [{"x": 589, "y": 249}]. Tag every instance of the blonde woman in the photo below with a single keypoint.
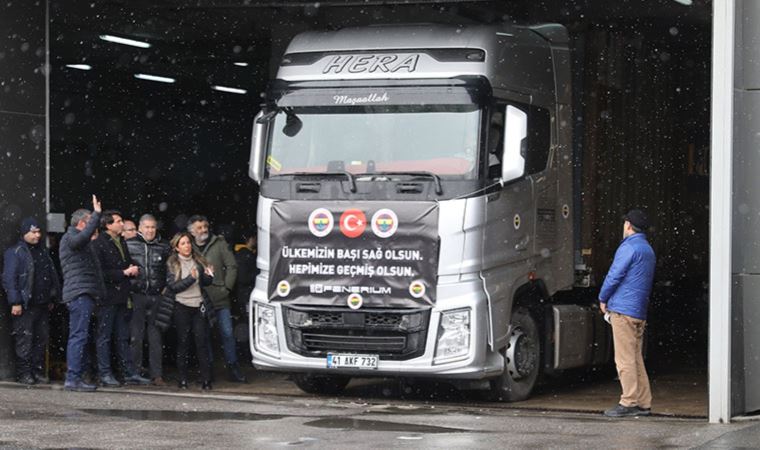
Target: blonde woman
[{"x": 187, "y": 273}]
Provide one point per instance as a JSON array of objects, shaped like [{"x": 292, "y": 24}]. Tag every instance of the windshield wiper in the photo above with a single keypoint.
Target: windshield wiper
[
  {"x": 436, "y": 179},
  {"x": 337, "y": 173}
]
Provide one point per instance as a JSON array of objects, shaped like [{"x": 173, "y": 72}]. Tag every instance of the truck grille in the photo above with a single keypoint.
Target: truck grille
[
  {"x": 393, "y": 334},
  {"x": 373, "y": 344}
]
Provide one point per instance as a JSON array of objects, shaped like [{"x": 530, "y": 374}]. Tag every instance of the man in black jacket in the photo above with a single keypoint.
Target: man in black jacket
[
  {"x": 150, "y": 253},
  {"x": 111, "y": 312},
  {"x": 31, "y": 282},
  {"x": 82, "y": 286}
]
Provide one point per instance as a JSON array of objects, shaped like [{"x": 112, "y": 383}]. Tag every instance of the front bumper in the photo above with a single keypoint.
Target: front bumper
[{"x": 478, "y": 363}]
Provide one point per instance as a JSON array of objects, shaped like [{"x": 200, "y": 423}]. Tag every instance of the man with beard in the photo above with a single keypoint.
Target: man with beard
[{"x": 217, "y": 253}]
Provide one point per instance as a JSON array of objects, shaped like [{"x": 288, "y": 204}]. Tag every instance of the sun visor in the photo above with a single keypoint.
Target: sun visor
[{"x": 382, "y": 96}]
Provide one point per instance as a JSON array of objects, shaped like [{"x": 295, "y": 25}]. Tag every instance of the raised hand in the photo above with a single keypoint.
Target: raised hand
[{"x": 96, "y": 204}]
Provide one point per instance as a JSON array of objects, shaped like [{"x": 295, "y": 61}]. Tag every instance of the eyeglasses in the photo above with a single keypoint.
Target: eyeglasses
[{"x": 130, "y": 229}]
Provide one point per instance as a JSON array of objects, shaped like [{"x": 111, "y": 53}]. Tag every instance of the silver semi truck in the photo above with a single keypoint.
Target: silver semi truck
[{"x": 416, "y": 210}]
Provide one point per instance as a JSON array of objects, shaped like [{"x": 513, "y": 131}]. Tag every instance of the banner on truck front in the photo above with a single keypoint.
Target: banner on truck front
[{"x": 371, "y": 254}]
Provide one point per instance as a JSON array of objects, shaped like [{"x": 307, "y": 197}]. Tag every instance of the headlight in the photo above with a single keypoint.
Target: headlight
[
  {"x": 266, "y": 329},
  {"x": 453, "y": 335}
]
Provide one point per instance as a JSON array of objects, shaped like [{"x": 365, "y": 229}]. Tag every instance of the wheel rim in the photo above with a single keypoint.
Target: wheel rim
[{"x": 521, "y": 355}]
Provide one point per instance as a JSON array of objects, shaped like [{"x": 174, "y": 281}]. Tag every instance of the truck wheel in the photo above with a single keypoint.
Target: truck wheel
[
  {"x": 521, "y": 360},
  {"x": 321, "y": 384}
]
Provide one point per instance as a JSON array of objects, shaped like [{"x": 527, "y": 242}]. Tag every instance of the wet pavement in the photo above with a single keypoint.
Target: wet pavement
[{"x": 270, "y": 413}]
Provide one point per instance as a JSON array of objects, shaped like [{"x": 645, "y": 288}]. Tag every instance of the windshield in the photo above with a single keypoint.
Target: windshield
[{"x": 440, "y": 139}]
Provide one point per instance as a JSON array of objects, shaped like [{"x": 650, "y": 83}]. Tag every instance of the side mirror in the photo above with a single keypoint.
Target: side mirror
[
  {"x": 515, "y": 131},
  {"x": 258, "y": 142},
  {"x": 292, "y": 125}
]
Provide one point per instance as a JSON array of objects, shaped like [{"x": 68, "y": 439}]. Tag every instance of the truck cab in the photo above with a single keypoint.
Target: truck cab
[{"x": 415, "y": 214}]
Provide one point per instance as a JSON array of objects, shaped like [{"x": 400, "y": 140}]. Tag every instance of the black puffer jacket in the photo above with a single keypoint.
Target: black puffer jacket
[
  {"x": 113, "y": 263},
  {"x": 151, "y": 257},
  {"x": 81, "y": 269}
]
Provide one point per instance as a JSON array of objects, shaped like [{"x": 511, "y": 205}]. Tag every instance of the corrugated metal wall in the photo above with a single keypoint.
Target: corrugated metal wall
[{"x": 645, "y": 110}]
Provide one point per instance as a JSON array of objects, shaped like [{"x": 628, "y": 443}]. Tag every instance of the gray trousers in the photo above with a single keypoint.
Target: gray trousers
[{"x": 143, "y": 323}]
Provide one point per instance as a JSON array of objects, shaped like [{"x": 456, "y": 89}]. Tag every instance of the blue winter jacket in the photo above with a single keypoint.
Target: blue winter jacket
[
  {"x": 628, "y": 283},
  {"x": 19, "y": 273}
]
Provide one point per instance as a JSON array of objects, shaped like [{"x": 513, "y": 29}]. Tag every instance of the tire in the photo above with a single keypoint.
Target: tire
[
  {"x": 522, "y": 360},
  {"x": 321, "y": 384}
]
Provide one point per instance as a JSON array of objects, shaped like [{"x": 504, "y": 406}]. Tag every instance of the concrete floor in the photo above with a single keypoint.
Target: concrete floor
[
  {"x": 48, "y": 417},
  {"x": 682, "y": 394}
]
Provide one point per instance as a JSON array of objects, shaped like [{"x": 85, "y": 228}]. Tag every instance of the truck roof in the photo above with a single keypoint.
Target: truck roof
[
  {"x": 414, "y": 36},
  {"x": 510, "y": 57}
]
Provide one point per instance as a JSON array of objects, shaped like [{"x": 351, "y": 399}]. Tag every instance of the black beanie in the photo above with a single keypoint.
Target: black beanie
[
  {"x": 638, "y": 219},
  {"x": 28, "y": 224}
]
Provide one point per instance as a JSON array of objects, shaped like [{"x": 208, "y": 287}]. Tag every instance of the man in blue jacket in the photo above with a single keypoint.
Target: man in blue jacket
[
  {"x": 625, "y": 296},
  {"x": 32, "y": 285}
]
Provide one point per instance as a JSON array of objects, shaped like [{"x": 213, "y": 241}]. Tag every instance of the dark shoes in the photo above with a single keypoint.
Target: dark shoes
[
  {"x": 79, "y": 386},
  {"x": 627, "y": 411},
  {"x": 109, "y": 381},
  {"x": 182, "y": 384},
  {"x": 236, "y": 375},
  {"x": 158, "y": 381},
  {"x": 41, "y": 378},
  {"x": 135, "y": 380},
  {"x": 206, "y": 386},
  {"x": 27, "y": 379}
]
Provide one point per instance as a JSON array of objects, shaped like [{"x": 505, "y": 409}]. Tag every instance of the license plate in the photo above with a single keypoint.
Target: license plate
[{"x": 351, "y": 361}]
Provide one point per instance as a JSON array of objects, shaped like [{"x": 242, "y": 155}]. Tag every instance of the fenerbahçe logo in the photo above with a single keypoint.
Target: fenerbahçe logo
[
  {"x": 384, "y": 223},
  {"x": 283, "y": 288},
  {"x": 320, "y": 222},
  {"x": 354, "y": 301},
  {"x": 417, "y": 289}
]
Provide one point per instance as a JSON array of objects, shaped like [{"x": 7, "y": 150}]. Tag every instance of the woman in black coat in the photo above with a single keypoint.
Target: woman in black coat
[{"x": 187, "y": 272}]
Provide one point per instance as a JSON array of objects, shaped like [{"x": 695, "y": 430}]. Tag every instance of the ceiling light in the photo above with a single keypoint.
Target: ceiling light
[
  {"x": 145, "y": 76},
  {"x": 229, "y": 89},
  {"x": 241, "y": 64},
  {"x": 684, "y": 2},
  {"x": 124, "y": 41},
  {"x": 79, "y": 66}
]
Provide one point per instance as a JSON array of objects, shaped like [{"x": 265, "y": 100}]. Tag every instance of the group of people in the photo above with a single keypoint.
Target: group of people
[{"x": 133, "y": 284}]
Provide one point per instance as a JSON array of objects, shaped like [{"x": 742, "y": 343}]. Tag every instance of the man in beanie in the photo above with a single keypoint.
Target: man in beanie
[
  {"x": 32, "y": 285},
  {"x": 625, "y": 296}
]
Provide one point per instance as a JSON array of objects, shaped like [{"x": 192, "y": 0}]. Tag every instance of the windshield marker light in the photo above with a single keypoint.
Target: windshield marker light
[
  {"x": 79, "y": 66},
  {"x": 229, "y": 89},
  {"x": 145, "y": 76},
  {"x": 124, "y": 41}
]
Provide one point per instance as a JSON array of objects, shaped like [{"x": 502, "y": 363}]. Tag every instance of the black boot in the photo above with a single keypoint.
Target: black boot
[
  {"x": 206, "y": 386},
  {"x": 236, "y": 375},
  {"x": 27, "y": 379},
  {"x": 41, "y": 378}
]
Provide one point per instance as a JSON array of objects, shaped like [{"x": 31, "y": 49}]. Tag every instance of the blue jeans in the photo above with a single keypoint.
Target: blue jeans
[
  {"x": 224, "y": 324},
  {"x": 113, "y": 321},
  {"x": 80, "y": 312}
]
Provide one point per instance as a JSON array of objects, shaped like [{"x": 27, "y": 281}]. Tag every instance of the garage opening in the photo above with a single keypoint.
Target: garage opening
[{"x": 166, "y": 129}]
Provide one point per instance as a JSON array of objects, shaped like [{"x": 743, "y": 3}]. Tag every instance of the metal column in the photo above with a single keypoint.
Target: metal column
[{"x": 720, "y": 210}]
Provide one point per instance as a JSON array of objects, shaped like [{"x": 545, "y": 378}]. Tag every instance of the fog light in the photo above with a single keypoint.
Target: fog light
[
  {"x": 266, "y": 329},
  {"x": 453, "y": 336}
]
